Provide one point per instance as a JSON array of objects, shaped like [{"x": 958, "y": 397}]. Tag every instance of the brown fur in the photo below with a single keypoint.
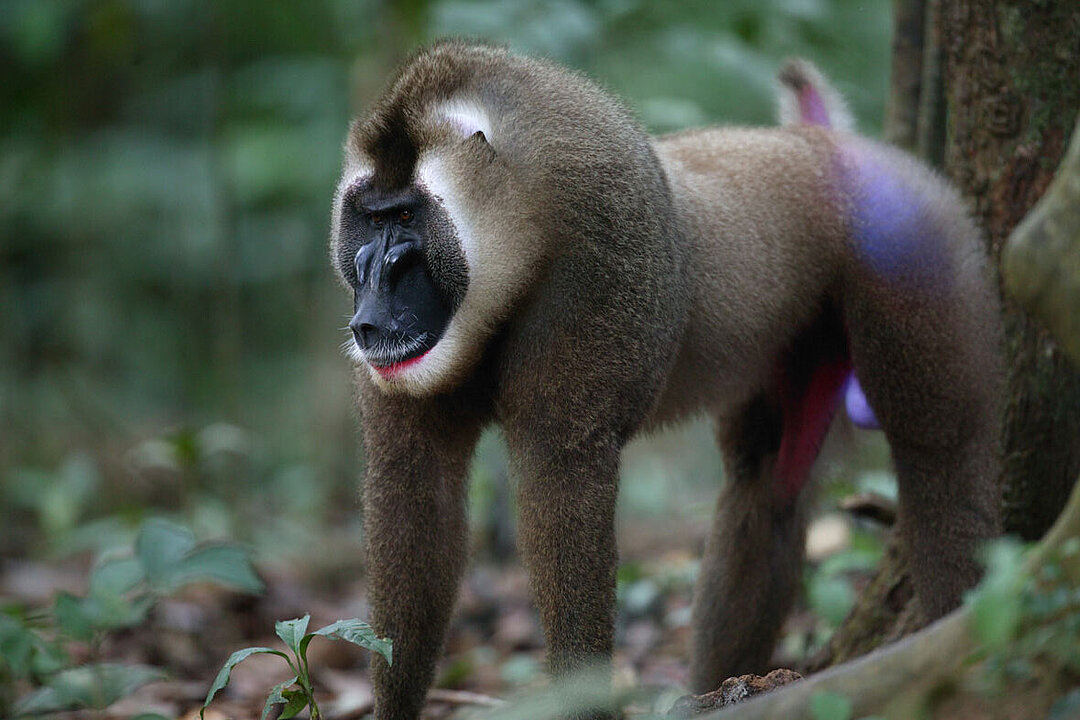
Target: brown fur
[{"x": 615, "y": 284}]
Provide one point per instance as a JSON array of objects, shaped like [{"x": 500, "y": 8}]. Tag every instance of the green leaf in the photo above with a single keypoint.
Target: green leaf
[
  {"x": 16, "y": 645},
  {"x": 72, "y": 617},
  {"x": 115, "y": 576},
  {"x": 226, "y": 564},
  {"x": 171, "y": 559},
  {"x": 89, "y": 686},
  {"x": 49, "y": 658},
  {"x": 81, "y": 618},
  {"x": 108, "y": 605},
  {"x": 357, "y": 632},
  {"x": 996, "y": 604},
  {"x": 235, "y": 659},
  {"x": 41, "y": 701},
  {"x": 65, "y": 499},
  {"x": 826, "y": 705},
  {"x": 995, "y": 618},
  {"x": 519, "y": 669},
  {"x": 275, "y": 697},
  {"x": 160, "y": 546},
  {"x": 118, "y": 612},
  {"x": 298, "y": 700},
  {"x": 292, "y": 632},
  {"x": 1070, "y": 547}
]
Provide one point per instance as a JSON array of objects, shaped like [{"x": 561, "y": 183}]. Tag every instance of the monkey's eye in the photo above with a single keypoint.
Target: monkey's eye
[
  {"x": 377, "y": 218},
  {"x": 405, "y": 216}
]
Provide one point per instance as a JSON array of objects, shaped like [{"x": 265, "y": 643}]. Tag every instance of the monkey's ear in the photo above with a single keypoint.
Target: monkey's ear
[{"x": 480, "y": 142}]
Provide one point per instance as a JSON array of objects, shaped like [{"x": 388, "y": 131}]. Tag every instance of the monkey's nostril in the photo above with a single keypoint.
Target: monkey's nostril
[{"x": 364, "y": 334}]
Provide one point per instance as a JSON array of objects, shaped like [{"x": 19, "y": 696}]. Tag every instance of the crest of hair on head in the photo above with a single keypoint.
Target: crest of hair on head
[{"x": 805, "y": 97}]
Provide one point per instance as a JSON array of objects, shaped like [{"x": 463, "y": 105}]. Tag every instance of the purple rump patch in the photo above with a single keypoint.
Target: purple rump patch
[{"x": 889, "y": 219}]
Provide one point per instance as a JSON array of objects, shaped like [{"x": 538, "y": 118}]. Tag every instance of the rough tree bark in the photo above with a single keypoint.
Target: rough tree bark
[
  {"x": 915, "y": 108},
  {"x": 1012, "y": 79},
  {"x": 905, "y": 82}
]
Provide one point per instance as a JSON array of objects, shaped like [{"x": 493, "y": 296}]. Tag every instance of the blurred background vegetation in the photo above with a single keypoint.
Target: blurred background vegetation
[{"x": 169, "y": 324}]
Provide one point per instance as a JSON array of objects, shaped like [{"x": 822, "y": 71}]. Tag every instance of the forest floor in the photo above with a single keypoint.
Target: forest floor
[{"x": 494, "y": 648}]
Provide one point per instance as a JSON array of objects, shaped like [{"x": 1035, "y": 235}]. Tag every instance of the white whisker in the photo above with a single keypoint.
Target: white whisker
[
  {"x": 385, "y": 352},
  {"x": 351, "y": 350}
]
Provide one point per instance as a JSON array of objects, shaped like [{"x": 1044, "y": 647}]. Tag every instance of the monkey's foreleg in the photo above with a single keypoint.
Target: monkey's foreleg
[
  {"x": 567, "y": 539},
  {"x": 753, "y": 556},
  {"x": 416, "y": 533}
]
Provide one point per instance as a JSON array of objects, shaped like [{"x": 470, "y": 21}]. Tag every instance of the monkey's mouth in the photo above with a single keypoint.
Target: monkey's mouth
[
  {"x": 390, "y": 360},
  {"x": 389, "y": 372}
]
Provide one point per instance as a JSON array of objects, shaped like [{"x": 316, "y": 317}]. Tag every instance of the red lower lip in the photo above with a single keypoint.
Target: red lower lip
[{"x": 390, "y": 371}]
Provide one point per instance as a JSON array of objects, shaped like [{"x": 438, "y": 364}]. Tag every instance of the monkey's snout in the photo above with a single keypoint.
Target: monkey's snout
[
  {"x": 364, "y": 333},
  {"x": 375, "y": 329},
  {"x": 372, "y": 325}
]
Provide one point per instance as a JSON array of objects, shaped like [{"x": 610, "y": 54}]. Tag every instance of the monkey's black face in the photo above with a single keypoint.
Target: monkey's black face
[{"x": 400, "y": 310}]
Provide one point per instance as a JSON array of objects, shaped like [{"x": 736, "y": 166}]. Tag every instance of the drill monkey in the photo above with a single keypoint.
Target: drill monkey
[{"x": 521, "y": 252}]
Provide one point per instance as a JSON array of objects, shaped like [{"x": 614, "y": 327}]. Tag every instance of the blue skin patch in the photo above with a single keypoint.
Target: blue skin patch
[{"x": 889, "y": 221}]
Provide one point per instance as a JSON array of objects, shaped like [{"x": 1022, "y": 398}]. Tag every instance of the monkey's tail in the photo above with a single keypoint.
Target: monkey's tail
[{"x": 805, "y": 97}]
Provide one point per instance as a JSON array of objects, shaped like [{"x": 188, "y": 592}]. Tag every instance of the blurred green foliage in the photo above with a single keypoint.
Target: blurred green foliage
[
  {"x": 826, "y": 705},
  {"x": 166, "y": 168},
  {"x": 1028, "y": 625},
  {"x": 123, "y": 586}
]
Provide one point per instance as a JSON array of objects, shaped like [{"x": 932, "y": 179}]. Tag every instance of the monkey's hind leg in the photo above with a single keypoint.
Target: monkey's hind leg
[
  {"x": 924, "y": 328},
  {"x": 753, "y": 557},
  {"x": 931, "y": 373}
]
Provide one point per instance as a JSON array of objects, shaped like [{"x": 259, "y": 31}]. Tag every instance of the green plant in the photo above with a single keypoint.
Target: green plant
[
  {"x": 297, "y": 692},
  {"x": 122, "y": 590},
  {"x": 1029, "y": 625}
]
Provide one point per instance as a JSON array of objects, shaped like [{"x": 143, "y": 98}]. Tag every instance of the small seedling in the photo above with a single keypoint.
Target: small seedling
[{"x": 297, "y": 692}]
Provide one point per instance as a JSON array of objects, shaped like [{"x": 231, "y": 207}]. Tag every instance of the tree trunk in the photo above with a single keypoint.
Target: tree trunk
[
  {"x": 1012, "y": 83},
  {"x": 905, "y": 81}
]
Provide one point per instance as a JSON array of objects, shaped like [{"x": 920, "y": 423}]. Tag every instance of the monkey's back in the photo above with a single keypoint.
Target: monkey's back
[{"x": 781, "y": 224}]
